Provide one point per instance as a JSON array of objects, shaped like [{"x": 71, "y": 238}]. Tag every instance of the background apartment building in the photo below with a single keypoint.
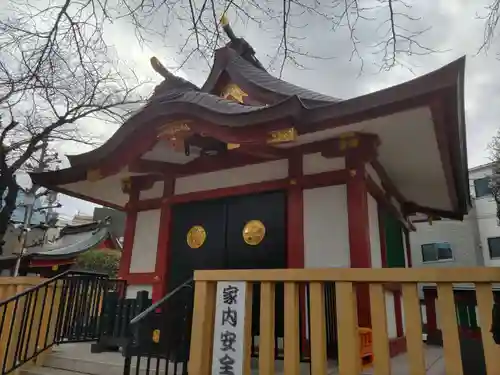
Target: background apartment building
[{"x": 475, "y": 241}]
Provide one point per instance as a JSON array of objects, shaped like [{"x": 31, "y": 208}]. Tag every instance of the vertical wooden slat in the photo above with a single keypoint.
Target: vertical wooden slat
[
  {"x": 292, "y": 346},
  {"x": 449, "y": 328},
  {"x": 484, "y": 298},
  {"x": 266, "y": 336},
  {"x": 347, "y": 322},
  {"x": 380, "y": 338},
  {"x": 414, "y": 343},
  {"x": 200, "y": 357},
  {"x": 318, "y": 329},
  {"x": 247, "y": 344}
]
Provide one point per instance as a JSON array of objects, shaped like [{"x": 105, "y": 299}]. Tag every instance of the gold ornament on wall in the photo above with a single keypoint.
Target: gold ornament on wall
[
  {"x": 254, "y": 232},
  {"x": 196, "y": 237}
]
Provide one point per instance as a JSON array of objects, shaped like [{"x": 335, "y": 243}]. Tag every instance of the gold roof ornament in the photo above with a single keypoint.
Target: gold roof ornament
[
  {"x": 94, "y": 175},
  {"x": 174, "y": 128},
  {"x": 234, "y": 91},
  {"x": 224, "y": 21},
  {"x": 126, "y": 183},
  {"x": 348, "y": 140},
  {"x": 283, "y": 135}
]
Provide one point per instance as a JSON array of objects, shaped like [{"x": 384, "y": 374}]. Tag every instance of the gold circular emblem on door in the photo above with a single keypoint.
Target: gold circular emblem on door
[
  {"x": 196, "y": 237},
  {"x": 254, "y": 232}
]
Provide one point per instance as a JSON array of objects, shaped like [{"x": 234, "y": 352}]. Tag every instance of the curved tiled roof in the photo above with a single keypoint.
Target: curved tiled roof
[{"x": 244, "y": 73}]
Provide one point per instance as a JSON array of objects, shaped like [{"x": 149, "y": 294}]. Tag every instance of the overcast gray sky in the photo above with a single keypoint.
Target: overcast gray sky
[{"x": 455, "y": 30}]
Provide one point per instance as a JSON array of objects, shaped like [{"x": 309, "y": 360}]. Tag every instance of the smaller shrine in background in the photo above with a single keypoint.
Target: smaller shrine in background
[{"x": 52, "y": 258}]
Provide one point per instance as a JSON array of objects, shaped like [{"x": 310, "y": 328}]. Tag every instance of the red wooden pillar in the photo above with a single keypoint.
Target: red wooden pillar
[
  {"x": 163, "y": 246},
  {"x": 295, "y": 233},
  {"x": 359, "y": 231},
  {"x": 129, "y": 233},
  {"x": 430, "y": 311}
]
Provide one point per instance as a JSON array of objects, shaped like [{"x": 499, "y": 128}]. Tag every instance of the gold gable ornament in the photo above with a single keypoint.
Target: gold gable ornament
[
  {"x": 94, "y": 175},
  {"x": 196, "y": 237},
  {"x": 234, "y": 91},
  {"x": 254, "y": 232}
]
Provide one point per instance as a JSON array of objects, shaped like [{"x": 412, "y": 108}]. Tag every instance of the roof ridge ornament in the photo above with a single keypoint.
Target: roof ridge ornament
[
  {"x": 171, "y": 82},
  {"x": 224, "y": 21},
  {"x": 240, "y": 45}
]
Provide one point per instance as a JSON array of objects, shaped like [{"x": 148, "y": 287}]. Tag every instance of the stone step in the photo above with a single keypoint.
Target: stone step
[{"x": 46, "y": 371}]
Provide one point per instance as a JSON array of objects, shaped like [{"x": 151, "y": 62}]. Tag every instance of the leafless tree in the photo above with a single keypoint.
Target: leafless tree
[
  {"x": 192, "y": 25},
  {"x": 494, "y": 148},
  {"x": 55, "y": 72},
  {"x": 491, "y": 16}
]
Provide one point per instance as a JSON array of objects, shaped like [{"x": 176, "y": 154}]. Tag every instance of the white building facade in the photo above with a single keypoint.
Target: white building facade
[{"x": 475, "y": 241}]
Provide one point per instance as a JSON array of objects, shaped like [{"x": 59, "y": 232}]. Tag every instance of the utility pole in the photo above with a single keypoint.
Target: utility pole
[{"x": 29, "y": 202}]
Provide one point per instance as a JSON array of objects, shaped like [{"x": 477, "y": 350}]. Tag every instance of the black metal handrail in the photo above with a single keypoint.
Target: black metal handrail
[
  {"x": 50, "y": 281},
  {"x": 161, "y": 334},
  {"x": 65, "y": 308},
  {"x": 186, "y": 284}
]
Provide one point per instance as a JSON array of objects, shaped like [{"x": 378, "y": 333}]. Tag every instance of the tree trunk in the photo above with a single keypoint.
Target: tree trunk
[{"x": 8, "y": 183}]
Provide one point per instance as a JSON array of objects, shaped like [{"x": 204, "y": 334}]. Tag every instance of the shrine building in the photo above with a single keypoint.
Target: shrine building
[{"x": 249, "y": 171}]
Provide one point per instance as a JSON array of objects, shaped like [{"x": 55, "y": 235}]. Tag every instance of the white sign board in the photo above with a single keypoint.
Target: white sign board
[{"x": 229, "y": 328}]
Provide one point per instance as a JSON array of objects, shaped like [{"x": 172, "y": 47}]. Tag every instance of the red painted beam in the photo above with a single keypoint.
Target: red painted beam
[{"x": 329, "y": 178}]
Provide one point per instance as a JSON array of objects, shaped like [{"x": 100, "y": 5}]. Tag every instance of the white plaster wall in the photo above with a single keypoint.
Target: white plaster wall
[
  {"x": 156, "y": 191},
  {"x": 370, "y": 171},
  {"x": 391, "y": 316},
  {"x": 254, "y": 173},
  {"x": 145, "y": 241},
  {"x": 326, "y": 230},
  {"x": 403, "y": 236},
  {"x": 374, "y": 176},
  {"x": 376, "y": 254},
  {"x": 133, "y": 289},
  {"x": 423, "y": 314},
  {"x": 315, "y": 163},
  {"x": 107, "y": 189}
]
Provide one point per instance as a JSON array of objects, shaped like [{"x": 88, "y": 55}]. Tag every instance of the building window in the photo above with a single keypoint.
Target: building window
[
  {"x": 482, "y": 187},
  {"x": 494, "y": 247},
  {"x": 432, "y": 252}
]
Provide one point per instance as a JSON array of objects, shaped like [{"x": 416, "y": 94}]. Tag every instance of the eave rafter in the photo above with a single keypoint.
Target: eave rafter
[{"x": 244, "y": 154}]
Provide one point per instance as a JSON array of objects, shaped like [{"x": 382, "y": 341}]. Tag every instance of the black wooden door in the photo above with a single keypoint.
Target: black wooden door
[
  {"x": 211, "y": 216},
  {"x": 224, "y": 247},
  {"x": 269, "y": 253}
]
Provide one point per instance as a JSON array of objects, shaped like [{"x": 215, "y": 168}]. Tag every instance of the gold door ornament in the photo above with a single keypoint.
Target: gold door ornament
[
  {"x": 196, "y": 237},
  {"x": 254, "y": 232}
]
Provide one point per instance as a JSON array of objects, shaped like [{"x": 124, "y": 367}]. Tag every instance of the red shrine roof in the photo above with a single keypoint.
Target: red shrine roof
[{"x": 242, "y": 103}]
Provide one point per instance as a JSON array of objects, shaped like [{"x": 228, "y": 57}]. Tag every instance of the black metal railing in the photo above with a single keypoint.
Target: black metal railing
[
  {"x": 161, "y": 335},
  {"x": 114, "y": 321},
  {"x": 63, "y": 309}
]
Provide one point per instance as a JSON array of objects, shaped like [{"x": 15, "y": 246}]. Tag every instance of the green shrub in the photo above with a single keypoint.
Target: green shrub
[{"x": 100, "y": 260}]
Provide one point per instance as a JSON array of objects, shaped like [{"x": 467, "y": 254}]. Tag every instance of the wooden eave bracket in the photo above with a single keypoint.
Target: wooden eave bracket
[{"x": 410, "y": 208}]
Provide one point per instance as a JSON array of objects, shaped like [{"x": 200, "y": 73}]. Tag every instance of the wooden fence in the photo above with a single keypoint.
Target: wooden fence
[{"x": 345, "y": 281}]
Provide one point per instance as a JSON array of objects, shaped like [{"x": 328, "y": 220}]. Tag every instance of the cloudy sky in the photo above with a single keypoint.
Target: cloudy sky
[{"x": 453, "y": 29}]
